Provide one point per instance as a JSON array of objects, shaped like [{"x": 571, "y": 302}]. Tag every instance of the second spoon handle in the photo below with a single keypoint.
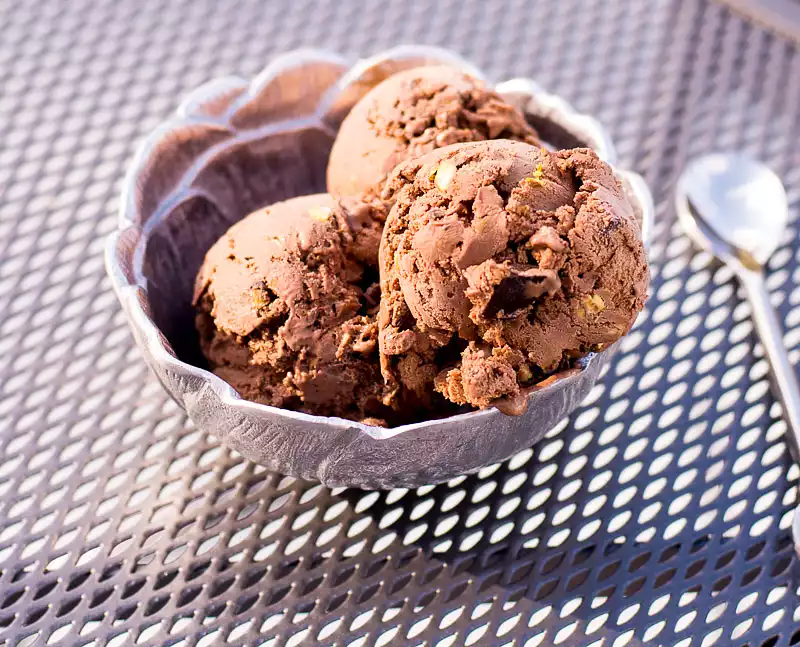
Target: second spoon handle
[{"x": 771, "y": 333}]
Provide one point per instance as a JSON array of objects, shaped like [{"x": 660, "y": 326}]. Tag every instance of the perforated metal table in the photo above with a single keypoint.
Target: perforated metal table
[{"x": 658, "y": 514}]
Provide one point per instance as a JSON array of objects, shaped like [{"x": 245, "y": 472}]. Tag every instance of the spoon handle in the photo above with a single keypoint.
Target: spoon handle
[{"x": 771, "y": 334}]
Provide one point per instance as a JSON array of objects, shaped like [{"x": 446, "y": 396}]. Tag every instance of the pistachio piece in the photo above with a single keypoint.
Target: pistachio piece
[
  {"x": 260, "y": 298},
  {"x": 538, "y": 176},
  {"x": 445, "y": 174},
  {"x": 320, "y": 214},
  {"x": 594, "y": 304}
]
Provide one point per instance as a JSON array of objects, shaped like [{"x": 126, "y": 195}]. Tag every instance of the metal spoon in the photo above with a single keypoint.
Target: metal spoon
[{"x": 736, "y": 208}]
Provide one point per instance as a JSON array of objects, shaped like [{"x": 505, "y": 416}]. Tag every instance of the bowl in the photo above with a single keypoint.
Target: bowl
[{"x": 235, "y": 146}]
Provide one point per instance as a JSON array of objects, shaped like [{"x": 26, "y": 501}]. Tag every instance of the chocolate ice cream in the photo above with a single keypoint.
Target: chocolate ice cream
[
  {"x": 500, "y": 263},
  {"x": 286, "y": 305},
  {"x": 414, "y": 112}
]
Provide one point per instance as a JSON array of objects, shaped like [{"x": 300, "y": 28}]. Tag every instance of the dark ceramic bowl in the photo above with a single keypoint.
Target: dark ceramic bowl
[{"x": 236, "y": 146}]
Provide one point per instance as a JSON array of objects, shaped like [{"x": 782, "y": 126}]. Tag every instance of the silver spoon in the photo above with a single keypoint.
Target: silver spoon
[{"x": 736, "y": 208}]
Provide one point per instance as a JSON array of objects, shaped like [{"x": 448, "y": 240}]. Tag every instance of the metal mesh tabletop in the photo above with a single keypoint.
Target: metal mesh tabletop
[{"x": 658, "y": 514}]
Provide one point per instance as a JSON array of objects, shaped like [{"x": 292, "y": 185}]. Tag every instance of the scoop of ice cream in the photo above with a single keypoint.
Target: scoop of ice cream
[
  {"x": 286, "y": 303},
  {"x": 414, "y": 112},
  {"x": 501, "y": 262}
]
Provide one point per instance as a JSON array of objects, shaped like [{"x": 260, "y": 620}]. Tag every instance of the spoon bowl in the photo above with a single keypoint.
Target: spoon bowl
[{"x": 731, "y": 204}]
